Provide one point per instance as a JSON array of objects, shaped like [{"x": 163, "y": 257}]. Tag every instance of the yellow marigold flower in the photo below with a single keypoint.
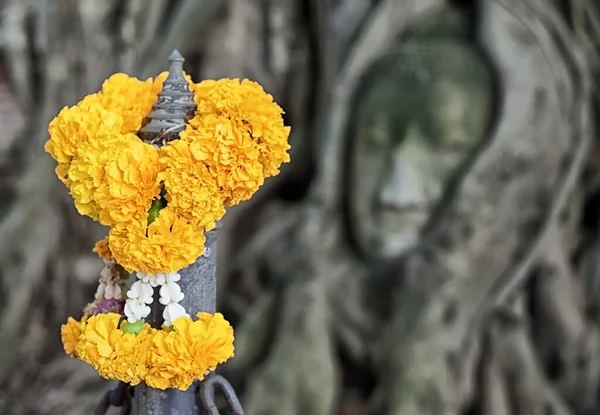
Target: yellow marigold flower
[
  {"x": 189, "y": 352},
  {"x": 103, "y": 250},
  {"x": 73, "y": 125},
  {"x": 213, "y": 333},
  {"x": 129, "y": 97},
  {"x": 192, "y": 190},
  {"x": 76, "y": 126},
  {"x": 253, "y": 110},
  {"x": 157, "y": 85},
  {"x": 114, "y": 354},
  {"x": 62, "y": 172},
  {"x": 79, "y": 137},
  {"x": 168, "y": 244},
  {"x": 87, "y": 173},
  {"x": 69, "y": 333},
  {"x": 235, "y": 139},
  {"x": 80, "y": 179},
  {"x": 162, "y": 358},
  {"x": 130, "y": 181},
  {"x": 169, "y": 363},
  {"x": 230, "y": 154}
]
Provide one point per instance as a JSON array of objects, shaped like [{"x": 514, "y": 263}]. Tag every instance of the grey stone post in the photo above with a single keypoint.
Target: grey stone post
[
  {"x": 198, "y": 282},
  {"x": 199, "y": 285}
]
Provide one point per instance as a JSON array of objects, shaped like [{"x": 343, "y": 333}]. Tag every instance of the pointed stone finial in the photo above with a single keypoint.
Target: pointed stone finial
[
  {"x": 176, "y": 56},
  {"x": 174, "y": 106}
]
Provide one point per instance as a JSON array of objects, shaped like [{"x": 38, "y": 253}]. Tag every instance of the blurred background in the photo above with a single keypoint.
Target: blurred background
[{"x": 432, "y": 248}]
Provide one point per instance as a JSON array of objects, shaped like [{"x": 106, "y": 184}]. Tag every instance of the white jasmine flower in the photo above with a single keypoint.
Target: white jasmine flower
[
  {"x": 135, "y": 310},
  {"x": 172, "y": 277},
  {"x": 141, "y": 291},
  {"x": 100, "y": 291},
  {"x": 138, "y": 297},
  {"x": 113, "y": 291},
  {"x": 108, "y": 291},
  {"x": 170, "y": 292},
  {"x": 109, "y": 285},
  {"x": 143, "y": 277},
  {"x": 152, "y": 280},
  {"x": 158, "y": 279},
  {"x": 173, "y": 311},
  {"x": 141, "y": 294}
]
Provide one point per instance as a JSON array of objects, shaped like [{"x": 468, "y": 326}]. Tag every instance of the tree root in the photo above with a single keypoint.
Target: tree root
[{"x": 299, "y": 377}]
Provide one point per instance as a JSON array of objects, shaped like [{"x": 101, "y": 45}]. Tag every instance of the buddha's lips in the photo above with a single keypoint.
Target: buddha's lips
[{"x": 399, "y": 207}]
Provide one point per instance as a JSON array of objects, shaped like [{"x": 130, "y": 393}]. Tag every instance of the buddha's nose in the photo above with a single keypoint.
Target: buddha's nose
[{"x": 404, "y": 185}]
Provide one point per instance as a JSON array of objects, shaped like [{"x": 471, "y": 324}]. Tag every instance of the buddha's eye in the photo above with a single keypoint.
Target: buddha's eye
[
  {"x": 378, "y": 132},
  {"x": 454, "y": 146}
]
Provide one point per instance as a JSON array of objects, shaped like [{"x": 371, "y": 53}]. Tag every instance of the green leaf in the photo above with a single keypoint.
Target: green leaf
[
  {"x": 134, "y": 328},
  {"x": 157, "y": 205}
]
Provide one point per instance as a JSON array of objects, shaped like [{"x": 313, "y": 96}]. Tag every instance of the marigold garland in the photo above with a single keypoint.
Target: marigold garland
[
  {"x": 234, "y": 141},
  {"x": 169, "y": 239},
  {"x": 158, "y": 203},
  {"x": 191, "y": 185},
  {"x": 163, "y": 359},
  {"x": 182, "y": 351}
]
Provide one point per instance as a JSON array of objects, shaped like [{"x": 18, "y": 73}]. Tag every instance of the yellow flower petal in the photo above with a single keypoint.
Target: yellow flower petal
[
  {"x": 170, "y": 243},
  {"x": 235, "y": 140}
]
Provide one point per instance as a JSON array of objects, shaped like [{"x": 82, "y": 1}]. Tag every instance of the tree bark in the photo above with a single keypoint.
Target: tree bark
[{"x": 494, "y": 312}]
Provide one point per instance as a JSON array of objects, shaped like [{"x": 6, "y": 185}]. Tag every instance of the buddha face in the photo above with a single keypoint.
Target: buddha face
[{"x": 403, "y": 156}]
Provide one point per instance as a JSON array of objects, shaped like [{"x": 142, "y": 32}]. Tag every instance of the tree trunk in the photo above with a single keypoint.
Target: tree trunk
[{"x": 485, "y": 302}]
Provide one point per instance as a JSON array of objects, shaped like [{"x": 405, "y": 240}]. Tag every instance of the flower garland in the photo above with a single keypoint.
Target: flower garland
[
  {"x": 161, "y": 358},
  {"x": 114, "y": 338},
  {"x": 158, "y": 202}
]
